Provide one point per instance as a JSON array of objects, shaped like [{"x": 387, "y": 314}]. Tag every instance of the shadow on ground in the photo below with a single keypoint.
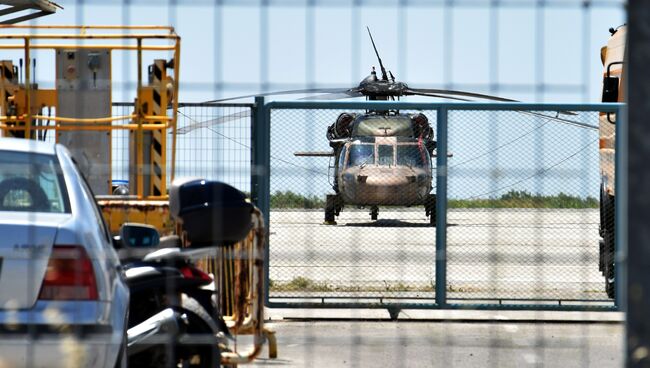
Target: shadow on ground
[{"x": 391, "y": 223}]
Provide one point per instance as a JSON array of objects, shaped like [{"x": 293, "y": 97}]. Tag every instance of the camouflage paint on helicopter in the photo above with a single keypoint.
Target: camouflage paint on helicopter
[{"x": 381, "y": 159}]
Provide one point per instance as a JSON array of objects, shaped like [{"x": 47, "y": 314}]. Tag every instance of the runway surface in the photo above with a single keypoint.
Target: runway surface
[{"x": 500, "y": 254}]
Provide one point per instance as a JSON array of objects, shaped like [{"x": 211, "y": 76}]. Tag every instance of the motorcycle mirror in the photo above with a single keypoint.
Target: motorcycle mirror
[
  {"x": 139, "y": 236},
  {"x": 117, "y": 242}
]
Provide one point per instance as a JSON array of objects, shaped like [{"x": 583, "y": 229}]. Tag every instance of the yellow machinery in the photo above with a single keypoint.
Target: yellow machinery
[
  {"x": 81, "y": 98},
  {"x": 79, "y": 115}
]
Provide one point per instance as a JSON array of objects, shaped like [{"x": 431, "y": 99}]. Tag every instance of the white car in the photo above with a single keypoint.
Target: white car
[{"x": 63, "y": 299}]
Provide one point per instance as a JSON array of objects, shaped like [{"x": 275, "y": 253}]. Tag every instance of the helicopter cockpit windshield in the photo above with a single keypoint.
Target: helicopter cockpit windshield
[
  {"x": 362, "y": 154},
  {"x": 409, "y": 154},
  {"x": 412, "y": 155}
]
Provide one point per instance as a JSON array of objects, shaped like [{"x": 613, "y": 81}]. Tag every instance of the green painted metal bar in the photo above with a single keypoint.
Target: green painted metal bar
[
  {"x": 260, "y": 173},
  {"x": 416, "y": 306},
  {"x": 620, "y": 208},
  {"x": 441, "y": 209}
]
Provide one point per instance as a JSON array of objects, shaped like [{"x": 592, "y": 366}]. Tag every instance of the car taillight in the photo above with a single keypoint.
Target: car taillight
[{"x": 69, "y": 275}]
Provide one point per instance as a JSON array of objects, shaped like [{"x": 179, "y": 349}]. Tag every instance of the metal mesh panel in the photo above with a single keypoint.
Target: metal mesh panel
[
  {"x": 213, "y": 142},
  {"x": 523, "y": 208},
  {"x": 522, "y": 220},
  {"x": 120, "y": 144},
  {"x": 393, "y": 257}
]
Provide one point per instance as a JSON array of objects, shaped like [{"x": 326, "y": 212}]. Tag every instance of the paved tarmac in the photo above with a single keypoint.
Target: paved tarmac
[
  {"x": 344, "y": 338},
  {"x": 494, "y": 254},
  {"x": 491, "y": 254}
]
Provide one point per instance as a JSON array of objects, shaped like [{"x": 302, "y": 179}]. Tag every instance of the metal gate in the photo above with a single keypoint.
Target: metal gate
[{"x": 517, "y": 212}]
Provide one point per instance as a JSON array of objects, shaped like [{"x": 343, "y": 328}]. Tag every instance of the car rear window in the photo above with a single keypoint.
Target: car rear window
[{"x": 32, "y": 182}]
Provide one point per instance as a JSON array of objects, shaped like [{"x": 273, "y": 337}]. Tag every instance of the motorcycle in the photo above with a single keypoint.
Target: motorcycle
[{"x": 173, "y": 317}]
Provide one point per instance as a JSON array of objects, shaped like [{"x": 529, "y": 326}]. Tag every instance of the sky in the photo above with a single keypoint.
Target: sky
[
  {"x": 516, "y": 51},
  {"x": 328, "y": 45}
]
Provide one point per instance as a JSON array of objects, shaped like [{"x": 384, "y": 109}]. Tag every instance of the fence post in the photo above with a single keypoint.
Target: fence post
[
  {"x": 637, "y": 301},
  {"x": 260, "y": 173},
  {"x": 441, "y": 208},
  {"x": 620, "y": 208}
]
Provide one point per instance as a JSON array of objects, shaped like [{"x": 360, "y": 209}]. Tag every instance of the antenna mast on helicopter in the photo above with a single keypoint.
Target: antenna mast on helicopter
[{"x": 384, "y": 76}]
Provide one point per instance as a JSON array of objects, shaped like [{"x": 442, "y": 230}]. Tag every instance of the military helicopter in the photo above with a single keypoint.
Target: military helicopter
[{"x": 381, "y": 157}]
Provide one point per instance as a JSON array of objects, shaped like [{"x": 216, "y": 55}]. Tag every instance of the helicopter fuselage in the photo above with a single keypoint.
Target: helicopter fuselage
[{"x": 384, "y": 171}]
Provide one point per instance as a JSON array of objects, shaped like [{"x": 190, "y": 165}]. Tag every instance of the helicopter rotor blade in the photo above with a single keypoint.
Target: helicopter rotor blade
[
  {"x": 534, "y": 113},
  {"x": 471, "y": 94},
  {"x": 335, "y": 96},
  {"x": 220, "y": 120},
  {"x": 439, "y": 96},
  {"x": 289, "y": 92},
  {"x": 561, "y": 120},
  {"x": 458, "y": 93}
]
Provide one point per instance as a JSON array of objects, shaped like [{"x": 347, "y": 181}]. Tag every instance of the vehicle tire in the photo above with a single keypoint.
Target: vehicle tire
[
  {"x": 330, "y": 209},
  {"x": 199, "y": 322},
  {"x": 609, "y": 246},
  {"x": 601, "y": 213},
  {"x": 374, "y": 213},
  {"x": 609, "y": 265},
  {"x": 601, "y": 256},
  {"x": 610, "y": 283},
  {"x": 430, "y": 208}
]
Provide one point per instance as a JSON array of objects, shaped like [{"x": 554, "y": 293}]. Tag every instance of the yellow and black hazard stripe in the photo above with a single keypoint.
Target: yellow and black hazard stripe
[
  {"x": 7, "y": 78},
  {"x": 7, "y": 70},
  {"x": 158, "y": 147}
]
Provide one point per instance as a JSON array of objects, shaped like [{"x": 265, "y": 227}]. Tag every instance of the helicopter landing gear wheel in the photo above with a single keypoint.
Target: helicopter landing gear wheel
[
  {"x": 374, "y": 212},
  {"x": 430, "y": 208},
  {"x": 331, "y": 202}
]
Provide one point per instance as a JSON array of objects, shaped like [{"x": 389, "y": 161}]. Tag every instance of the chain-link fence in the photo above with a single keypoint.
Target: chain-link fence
[
  {"x": 213, "y": 142},
  {"x": 523, "y": 207},
  {"x": 522, "y": 210},
  {"x": 359, "y": 258}
]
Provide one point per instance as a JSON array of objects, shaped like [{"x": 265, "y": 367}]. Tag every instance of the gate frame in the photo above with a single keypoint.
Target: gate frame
[{"x": 260, "y": 177}]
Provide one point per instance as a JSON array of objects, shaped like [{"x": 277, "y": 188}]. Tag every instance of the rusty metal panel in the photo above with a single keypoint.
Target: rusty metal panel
[{"x": 118, "y": 211}]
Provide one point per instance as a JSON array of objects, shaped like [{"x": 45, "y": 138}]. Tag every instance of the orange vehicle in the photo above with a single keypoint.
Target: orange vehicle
[{"x": 612, "y": 55}]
